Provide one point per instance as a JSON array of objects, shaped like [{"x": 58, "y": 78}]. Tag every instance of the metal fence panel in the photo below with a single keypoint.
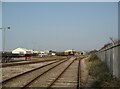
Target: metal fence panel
[{"x": 111, "y": 57}]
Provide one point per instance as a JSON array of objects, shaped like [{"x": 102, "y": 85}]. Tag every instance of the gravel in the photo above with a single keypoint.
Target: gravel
[
  {"x": 8, "y": 72},
  {"x": 69, "y": 78},
  {"x": 22, "y": 80}
]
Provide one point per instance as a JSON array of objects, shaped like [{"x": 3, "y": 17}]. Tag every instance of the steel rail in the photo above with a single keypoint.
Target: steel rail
[
  {"x": 29, "y": 62},
  {"x": 29, "y": 83},
  {"x": 78, "y": 76},
  {"x": 60, "y": 75},
  {"x": 7, "y": 80}
]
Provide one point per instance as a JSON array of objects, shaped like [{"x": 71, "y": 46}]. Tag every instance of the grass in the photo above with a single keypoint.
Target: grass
[{"x": 100, "y": 73}]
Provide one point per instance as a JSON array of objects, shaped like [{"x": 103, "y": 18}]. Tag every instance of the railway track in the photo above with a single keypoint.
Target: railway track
[
  {"x": 69, "y": 77},
  {"x": 49, "y": 76},
  {"x": 58, "y": 77},
  {"x": 28, "y": 75},
  {"x": 27, "y": 62}
]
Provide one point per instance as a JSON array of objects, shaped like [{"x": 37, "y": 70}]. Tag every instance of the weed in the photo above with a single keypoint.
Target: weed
[
  {"x": 93, "y": 57},
  {"x": 99, "y": 71}
]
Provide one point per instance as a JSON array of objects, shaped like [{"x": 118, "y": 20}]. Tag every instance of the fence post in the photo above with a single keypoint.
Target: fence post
[
  {"x": 108, "y": 59},
  {"x": 110, "y": 56},
  {"x": 115, "y": 62},
  {"x": 111, "y": 61},
  {"x": 119, "y": 62}
]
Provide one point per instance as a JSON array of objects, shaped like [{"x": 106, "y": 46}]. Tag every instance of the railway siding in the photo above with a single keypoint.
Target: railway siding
[
  {"x": 32, "y": 61},
  {"x": 50, "y": 76},
  {"x": 22, "y": 80},
  {"x": 8, "y": 72},
  {"x": 62, "y": 73},
  {"x": 69, "y": 78}
]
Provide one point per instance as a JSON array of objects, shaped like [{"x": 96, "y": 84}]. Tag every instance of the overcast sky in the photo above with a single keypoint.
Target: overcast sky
[{"x": 60, "y": 26}]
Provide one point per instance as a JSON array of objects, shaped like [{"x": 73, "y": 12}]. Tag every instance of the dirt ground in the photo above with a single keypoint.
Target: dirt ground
[{"x": 86, "y": 80}]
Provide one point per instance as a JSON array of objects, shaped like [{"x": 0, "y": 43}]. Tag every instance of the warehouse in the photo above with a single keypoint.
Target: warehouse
[{"x": 22, "y": 51}]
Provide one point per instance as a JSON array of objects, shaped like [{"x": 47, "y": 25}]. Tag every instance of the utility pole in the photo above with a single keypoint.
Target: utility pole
[{"x": 4, "y": 29}]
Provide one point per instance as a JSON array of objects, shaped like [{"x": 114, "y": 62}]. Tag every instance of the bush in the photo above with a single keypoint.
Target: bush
[
  {"x": 99, "y": 71},
  {"x": 93, "y": 57}
]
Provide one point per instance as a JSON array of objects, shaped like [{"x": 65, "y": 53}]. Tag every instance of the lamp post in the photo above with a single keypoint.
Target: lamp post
[{"x": 4, "y": 29}]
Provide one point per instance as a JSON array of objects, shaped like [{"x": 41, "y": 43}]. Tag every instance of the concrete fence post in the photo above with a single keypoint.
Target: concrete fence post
[
  {"x": 115, "y": 62},
  {"x": 111, "y": 61},
  {"x": 108, "y": 58},
  {"x": 119, "y": 62},
  {"x": 111, "y": 57}
]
